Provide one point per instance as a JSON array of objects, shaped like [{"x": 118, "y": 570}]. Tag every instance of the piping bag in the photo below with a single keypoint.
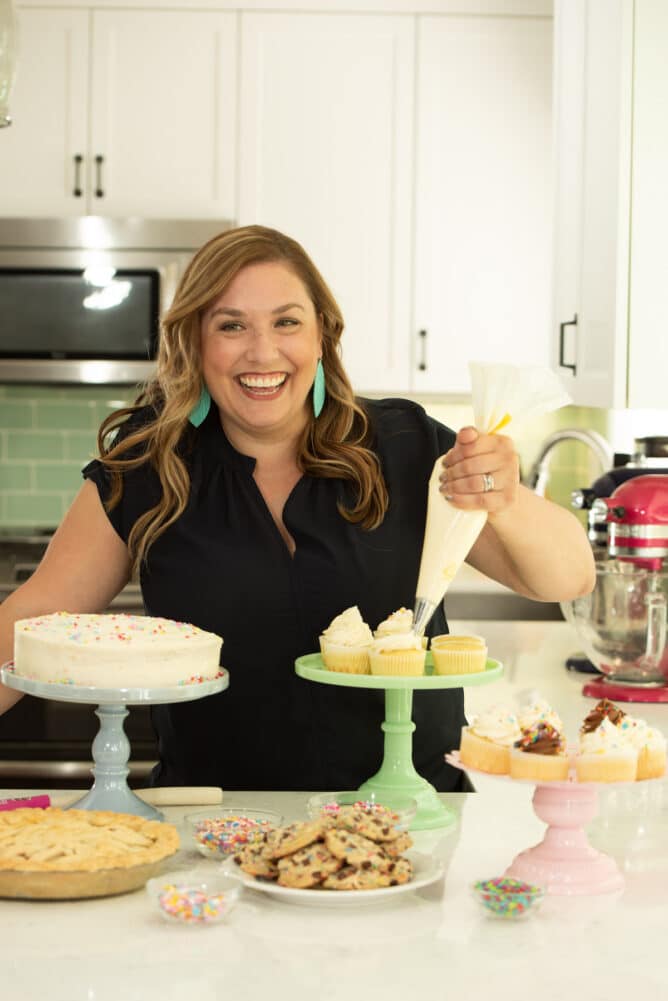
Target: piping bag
[{"x": 501, "y": 395}]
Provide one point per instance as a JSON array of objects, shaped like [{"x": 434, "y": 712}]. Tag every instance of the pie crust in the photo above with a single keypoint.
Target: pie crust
[{"x": 78, "y": 853}]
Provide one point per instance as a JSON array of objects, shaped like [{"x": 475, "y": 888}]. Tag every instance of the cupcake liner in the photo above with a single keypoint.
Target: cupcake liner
[
  {"x": 458, "y": 661},
  {"x": 406, "y": 662},
  {"x": 345, "y": 660}
]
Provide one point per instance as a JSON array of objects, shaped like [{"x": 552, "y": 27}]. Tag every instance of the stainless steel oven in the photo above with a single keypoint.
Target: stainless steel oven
[{"x": 80, "y": 298}]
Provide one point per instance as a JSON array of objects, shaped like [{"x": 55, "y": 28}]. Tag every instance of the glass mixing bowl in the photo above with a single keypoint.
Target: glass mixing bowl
[{"x": 622, "y": 623}]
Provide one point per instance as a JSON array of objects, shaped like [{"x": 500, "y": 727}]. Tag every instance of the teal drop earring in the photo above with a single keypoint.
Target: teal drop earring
[
  {"x": 201, "y": 409},
  {"x": 319, "y": 389}
]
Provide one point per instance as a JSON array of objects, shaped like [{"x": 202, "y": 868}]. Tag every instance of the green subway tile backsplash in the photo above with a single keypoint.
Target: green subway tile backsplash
[
  {"x": 47, "y": 433},
  {"x": 35, "y": 444},
  {"x": 81, "y": 446},
  {"x": 35, "y": 510},
  {"x": 16, "y": 414},
  {"x": 16, "y": 476},
  {"x": 65, "y": 415},
  {"x": 65, "y": 476}
]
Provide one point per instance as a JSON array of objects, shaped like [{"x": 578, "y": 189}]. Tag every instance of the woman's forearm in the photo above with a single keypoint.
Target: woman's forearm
[{"x": 537, "y": 548}]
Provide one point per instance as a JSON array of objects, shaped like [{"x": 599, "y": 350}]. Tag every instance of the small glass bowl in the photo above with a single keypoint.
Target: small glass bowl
[
  {"x": 194, "y": 897},
  {"x": 403, "y": 808},
  {"x": 219, "y": 833},
  {"x": 504, "y": 897}
]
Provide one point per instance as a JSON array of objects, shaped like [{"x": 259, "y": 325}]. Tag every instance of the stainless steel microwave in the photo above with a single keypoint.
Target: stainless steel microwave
[{"x": 80, "y": 298}]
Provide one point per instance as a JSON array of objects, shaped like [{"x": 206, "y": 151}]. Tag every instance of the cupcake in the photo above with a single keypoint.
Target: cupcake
[
  {"x": 458, "y": 654},
  {"x": 606, "y": 755},
  {"x": 486, "y": 743},
  {"x": 401, "y": 653},
  {"x": 539, "y": 754},
  {"x": 650, "y": 745},
  {"x": 398, "y": 623},
  {"x": 344, "y": 644}
]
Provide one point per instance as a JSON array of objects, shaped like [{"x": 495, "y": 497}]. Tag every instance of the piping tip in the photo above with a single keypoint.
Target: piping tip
[{"x": 422, "y": 613}]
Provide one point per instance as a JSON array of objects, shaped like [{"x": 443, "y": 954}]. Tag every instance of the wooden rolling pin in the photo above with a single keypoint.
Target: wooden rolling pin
[{"x": 160, "y": 796}]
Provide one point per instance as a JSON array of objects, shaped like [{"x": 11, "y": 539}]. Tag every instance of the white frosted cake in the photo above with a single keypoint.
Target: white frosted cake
[{"x": 114, "y": 651}]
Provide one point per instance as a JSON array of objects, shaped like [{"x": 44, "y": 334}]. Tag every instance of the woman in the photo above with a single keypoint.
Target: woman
[{"x": 257, "y": 498}]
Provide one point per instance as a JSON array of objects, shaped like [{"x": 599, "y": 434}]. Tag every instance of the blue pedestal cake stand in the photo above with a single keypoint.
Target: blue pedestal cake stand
[{"x": 111, "y": 747}]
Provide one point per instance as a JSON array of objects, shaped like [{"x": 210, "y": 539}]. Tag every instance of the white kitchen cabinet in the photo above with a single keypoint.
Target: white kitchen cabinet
[
  {"x": 38, "y": 173},
  {"x": 326, "y": 154},
  {"x": 482, "y": 196},
  {"x": 610, "y": 317},
  {"x": 121, "y": 113}
]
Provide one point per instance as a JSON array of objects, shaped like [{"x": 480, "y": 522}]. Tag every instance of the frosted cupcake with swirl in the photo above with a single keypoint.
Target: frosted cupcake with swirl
[{"x": 345, "y": 643}]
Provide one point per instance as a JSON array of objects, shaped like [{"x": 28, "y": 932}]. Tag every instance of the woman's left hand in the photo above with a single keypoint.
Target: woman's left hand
[{"x": 481, "y": 472}]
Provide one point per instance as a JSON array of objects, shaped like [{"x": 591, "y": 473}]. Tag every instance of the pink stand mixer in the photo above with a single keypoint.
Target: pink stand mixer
[{"x": 622, "y": 623}]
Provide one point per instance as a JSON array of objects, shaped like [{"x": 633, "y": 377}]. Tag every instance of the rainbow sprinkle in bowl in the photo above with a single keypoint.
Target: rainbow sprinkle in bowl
[
  {"x": 194, "y": 898},
  {"x": 219, "y": 833},
  {"x": 504, "y": 897},
  {"x": 397, "y": 808}
]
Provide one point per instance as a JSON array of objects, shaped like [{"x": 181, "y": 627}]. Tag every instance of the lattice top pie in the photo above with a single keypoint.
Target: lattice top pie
[{"x": 54, "y": 840}]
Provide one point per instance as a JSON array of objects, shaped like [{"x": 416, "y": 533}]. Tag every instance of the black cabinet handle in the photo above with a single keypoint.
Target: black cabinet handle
[
  {"x": 99, "y": 192},
  {"x": 422, "y": 364},
  {"x": 77, "y": 190},
  {"x": 562, "y": 328}
]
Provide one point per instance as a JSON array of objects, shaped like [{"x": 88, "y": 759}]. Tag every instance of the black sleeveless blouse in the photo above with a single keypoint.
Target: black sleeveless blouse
[{"x": 224, "y": 567}]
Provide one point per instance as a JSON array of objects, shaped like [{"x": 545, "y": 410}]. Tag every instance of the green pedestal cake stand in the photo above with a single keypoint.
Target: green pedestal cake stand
[{"x": 397, "y": 773}]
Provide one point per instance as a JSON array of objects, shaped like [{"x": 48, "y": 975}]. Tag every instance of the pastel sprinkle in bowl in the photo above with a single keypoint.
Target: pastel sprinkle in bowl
[
  {"x": 219, "y": 833},
  {"x": 398, "y": 809},
  {"x": 508, "y": 898},
  {"x": 194, "y": 897}
]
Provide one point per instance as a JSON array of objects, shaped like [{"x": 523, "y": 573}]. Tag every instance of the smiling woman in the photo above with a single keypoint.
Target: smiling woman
[
  {"x": 257, "y": 498},
  {"x": 259, "y": 359}
]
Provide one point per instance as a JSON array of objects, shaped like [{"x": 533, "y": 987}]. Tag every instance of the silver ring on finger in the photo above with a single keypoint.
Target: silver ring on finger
[{"x": 487, "y": 482}]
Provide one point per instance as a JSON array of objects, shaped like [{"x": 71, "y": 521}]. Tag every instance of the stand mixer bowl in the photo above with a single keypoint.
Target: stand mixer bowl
[{"x": 622, "y": 623}]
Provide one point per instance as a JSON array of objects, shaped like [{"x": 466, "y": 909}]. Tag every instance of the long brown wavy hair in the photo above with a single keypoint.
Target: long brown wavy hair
[{"x": 336, "y": 445}]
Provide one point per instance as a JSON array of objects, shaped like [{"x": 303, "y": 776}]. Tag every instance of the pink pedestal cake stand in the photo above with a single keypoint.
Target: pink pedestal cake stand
[{"x": 564, "y": 862}]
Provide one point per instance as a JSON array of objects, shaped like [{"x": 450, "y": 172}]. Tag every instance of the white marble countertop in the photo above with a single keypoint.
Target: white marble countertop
[{"x": 436, "y": 942}]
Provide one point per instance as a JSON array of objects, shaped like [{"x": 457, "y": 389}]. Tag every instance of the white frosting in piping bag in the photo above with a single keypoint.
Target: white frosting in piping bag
[{"x": 448, "y": 537}]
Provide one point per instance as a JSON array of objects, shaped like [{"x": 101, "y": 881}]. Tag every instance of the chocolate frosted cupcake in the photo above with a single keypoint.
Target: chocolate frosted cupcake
[{"x": 539, "y": 755}]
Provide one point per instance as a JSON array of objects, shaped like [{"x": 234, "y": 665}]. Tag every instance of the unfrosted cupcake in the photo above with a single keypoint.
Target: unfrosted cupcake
[
  {"x": 606, "y": 755},
  {"x": 401, "y": 653},
  {"x": 452, "y": 654},
  {"x": 540, "y": 754},
  {"x": 650, "y": 745},
  {"x": 399, "y": 623},
  {"x": 344, "y": 644},
  {"x": 486, "y": 742}
]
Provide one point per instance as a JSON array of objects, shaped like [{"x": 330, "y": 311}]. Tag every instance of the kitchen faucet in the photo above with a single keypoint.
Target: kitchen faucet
[{"x": 538, "y": 474}]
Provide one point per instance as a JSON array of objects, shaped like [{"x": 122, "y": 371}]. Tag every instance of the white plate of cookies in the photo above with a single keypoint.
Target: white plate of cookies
[
  {"x": 338, "y": 860},
  {"x": 426, "y": 870}
]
